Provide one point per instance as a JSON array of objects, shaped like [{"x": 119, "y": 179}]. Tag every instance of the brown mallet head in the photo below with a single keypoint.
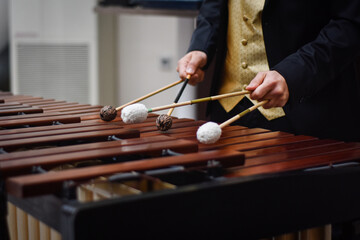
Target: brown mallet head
[
  {"x": 163, "y": 122},
  {"x": 108, "y": 113}
]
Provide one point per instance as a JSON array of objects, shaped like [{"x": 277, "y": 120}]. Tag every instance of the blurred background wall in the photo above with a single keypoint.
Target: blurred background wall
[{"x": 75, "y": 50}]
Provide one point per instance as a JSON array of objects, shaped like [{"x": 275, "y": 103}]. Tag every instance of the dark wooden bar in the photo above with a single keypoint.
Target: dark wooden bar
[
  {"x": 35, "y": 115},
  {"x": 23, "y": 166},
  {"x": 252, "y": 183},
  {"x": 46, "y": 120},
  {"x": 38, "y": 129},
  {"x": 51, "y": 131},
  {"x": 26, "y": 186},
  {"x": 97, "y": 135},
  {"x": 17, "y": 111},
  {"x": 83, "y": 147},
  {"x": 244, "y": 139},
  {"x": 12, "y": 105},
  {"x": 301, "y": 162}
]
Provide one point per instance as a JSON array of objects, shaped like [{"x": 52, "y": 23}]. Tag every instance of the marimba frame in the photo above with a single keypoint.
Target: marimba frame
[{"x": 267, "y": 196}]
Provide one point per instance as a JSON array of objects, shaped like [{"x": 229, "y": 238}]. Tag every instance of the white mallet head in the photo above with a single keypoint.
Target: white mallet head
[
  {"x": 208, "y": 133},
  {"x": 134, "y": 113}
]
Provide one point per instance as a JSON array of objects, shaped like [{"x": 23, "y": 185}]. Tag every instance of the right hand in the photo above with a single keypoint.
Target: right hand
[{"x": 191, "y": 64}]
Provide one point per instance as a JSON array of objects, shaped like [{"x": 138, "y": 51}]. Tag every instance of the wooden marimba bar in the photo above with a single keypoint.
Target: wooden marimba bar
[{"x": 67, "y": 173}]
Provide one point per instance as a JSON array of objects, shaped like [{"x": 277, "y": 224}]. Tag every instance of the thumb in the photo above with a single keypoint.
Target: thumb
[{"x": 196, "y": 61}]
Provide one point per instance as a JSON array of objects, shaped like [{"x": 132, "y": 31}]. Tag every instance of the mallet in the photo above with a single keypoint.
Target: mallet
[
  {"x": 137, "y": 113},
  {"x": 210, "y": 132},
  {"x": 164, "y": 121},
  {"x": 108, "y": 113}
]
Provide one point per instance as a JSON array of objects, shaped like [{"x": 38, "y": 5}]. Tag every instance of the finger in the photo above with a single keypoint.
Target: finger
[
  {"x": 194, "y": 64},
  {"x": 275, "y": 100},
  {"x": 197, "y": 77},
  {"x": 269, "y": 104},
  {"x": 182, "y": 65},
  {"x": 201, "y": 75},
  {"x": 262, "y": 91},
  {"x": 194, "y": 79},
  {"x": 257, "y": 81},
  {"x": 279, "y": 94}
]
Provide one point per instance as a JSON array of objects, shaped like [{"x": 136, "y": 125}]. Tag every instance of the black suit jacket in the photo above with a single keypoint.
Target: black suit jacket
[{"x": 315, "y": 46}]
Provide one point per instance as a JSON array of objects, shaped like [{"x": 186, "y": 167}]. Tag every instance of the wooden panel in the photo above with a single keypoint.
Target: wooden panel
[
  {"x": 228, "y": 132},
  {"x": 16, "y": 111},
  {"x": 36, "y": 100},
  {"x": 78, "y": 112},
  {"x": 265, "y": 151},
  {"x": 153, "y": 128},
  {"x": 89, "y": 135},
  {"x": 22, "y": 166},
  {"x": 65, "y": 106},
  {"x": 81, "y": 147},
  {"x": 50, "y": 183},
  {"x": 291, "y": 146},
  {"x": 96, "y": 118},
  {"x": 187, "y": 130},
  {"x": 300, "y": 163},
  {"x": 243, "y": 139},
  {"x": 92, "y": 117},
  {"x": 269, "y": 143},
  {"x": 50, "y": 127},
  {"x": 12, "y": 105},
  {"x": 20, "y": 98},
  {"x": 35, "y": 115},
  {"x": 50, "y": 103},
  {"x": 39, "y": 121},
  {"x": 51, "y": 132},
  {"x": 76, "y": 109},
  {"x": 299, "y": 153}
]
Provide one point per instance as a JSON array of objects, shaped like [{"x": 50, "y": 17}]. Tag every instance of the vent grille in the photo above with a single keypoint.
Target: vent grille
[{"x": 59, "y": 71}]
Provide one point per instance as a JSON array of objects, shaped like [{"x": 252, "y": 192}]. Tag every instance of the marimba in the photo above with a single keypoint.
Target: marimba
[{"x": 65, "y": 173}]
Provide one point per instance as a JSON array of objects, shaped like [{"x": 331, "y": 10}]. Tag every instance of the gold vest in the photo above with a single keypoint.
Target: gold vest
[{"x": 246, "y": 55}]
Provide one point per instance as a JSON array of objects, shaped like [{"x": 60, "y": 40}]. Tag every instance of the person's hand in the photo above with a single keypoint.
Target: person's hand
[
  {"x": 191, "y": 64},
  {"x": 271, "y": 86}
]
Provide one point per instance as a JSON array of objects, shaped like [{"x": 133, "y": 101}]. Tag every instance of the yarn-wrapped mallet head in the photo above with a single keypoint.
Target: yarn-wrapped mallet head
[
  {"x": 135, "y": 113},
  {"x": 108, "y": 113},
  {"x": 210, "y": 132},
  {"x": 163, "y": 122}
]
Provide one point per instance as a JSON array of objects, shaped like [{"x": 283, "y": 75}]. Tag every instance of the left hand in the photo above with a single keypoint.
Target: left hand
[
  {"x": 269, "y": 85},
  {"x": 191, "y": 64}
]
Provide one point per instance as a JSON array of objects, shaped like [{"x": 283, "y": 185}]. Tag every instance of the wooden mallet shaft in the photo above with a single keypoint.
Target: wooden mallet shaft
[
  {"x": 212, "y": 98},
  {"x": 150, "y": 94},
  {"x": 238, "y": 116}
]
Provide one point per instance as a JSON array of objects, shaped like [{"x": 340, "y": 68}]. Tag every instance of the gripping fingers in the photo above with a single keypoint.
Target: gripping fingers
[
  {"x": 271, "y": 86},
  {"x": 181, "y": 67}
]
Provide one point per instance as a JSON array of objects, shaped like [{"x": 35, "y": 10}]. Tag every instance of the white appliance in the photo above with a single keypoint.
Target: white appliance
[{"x": 54, "y": 50}]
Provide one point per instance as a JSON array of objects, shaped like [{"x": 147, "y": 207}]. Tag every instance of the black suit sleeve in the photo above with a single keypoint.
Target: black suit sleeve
[
  {"x": 317, "y": 63},
  {"x": 206, "y": 33}
]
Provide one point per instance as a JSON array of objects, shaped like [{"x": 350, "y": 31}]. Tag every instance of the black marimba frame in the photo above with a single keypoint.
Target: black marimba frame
[{"x": 239, "y": 208}]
